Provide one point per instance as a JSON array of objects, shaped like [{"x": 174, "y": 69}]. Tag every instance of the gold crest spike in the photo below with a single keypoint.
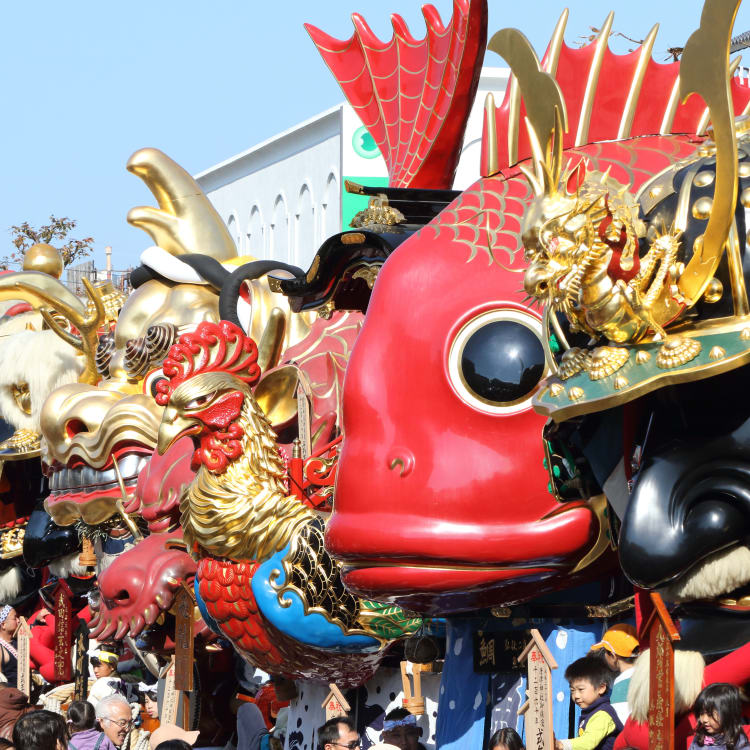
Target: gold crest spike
[
  {"x": 587, "y": 107},
  {"x": 185, "y": 221},
  {"x": 628, "y": 113},
  {"x": 539, "y": 90},
  {"x": 704, "y": 70},
  {"x": 556, "y": 43}
]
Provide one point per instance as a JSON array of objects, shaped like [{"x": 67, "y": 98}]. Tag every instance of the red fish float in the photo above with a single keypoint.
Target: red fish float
[{"x": 442, "y": 499}]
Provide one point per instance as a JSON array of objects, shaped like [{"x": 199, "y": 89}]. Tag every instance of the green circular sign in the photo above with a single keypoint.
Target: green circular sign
[{"x": 364, "y": 144}]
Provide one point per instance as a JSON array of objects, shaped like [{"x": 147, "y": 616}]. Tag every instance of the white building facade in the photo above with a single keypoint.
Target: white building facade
[{"x": 282, "y": 198}]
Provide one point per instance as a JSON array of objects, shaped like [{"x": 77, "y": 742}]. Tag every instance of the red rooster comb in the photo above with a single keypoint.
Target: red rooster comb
[
  {"x": 414, "y": 96},
  {"x": 212, "y": 347}
]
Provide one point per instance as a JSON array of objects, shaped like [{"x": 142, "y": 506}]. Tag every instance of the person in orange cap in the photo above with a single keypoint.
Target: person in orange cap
[{"x": 619, "y": 646}]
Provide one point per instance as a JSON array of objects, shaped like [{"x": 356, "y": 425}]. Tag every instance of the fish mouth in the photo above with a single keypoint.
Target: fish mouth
[
  {"x": 79, "y": 492},
  {"x": 434, "y": 589}
]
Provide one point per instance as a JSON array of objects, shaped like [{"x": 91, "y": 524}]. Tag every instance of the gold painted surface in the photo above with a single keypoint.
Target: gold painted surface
[
  {"x": 378, "y": 215},
  {"x": 186, "y": 221},
  {"x": 626, "y": 123},
  {"x": 605, "y": 538},
  {"x": 45, "y": 293},
  {"x": 22, "y": 396},
  {"x": 276, "y": 394},
  {"x": 11, "y": 542},
  {"x": 79, "y": 420},
  {"x": 556, "y": 43},
  {"x": 606, "y": 360},
  {"x": 714, "y": 291},
  {"x": 368, "y": 273},
  {"x": 21, "y": 444},
  {"x": 43, "y": 258},
  {"x": 540, "y": 91},
  {"x": 677, "y": 351},
  {"x": 587, "y": 106},
  {"x": 93, "y": 513},
  {"x": 704, "y": 70},
  {"x": 490, "y": 119},
  {"x": 736, "y": 274}
]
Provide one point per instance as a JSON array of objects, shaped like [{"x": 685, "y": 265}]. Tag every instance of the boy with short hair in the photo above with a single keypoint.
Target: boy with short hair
[{"x": 589, "y": 680}]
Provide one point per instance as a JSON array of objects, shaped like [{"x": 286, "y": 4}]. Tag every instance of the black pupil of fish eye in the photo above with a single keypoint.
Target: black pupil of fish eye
[{"x": 502, "y": 361}]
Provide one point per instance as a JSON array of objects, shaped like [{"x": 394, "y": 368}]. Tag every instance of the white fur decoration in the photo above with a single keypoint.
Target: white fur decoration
[
  {"x": 67, "y": 566},
  {"x": 718, "y": 574},
  {"x": 41, "y": 360},
  {"x": 10, "y": 583},
  {"x": 688, "y": 681}
]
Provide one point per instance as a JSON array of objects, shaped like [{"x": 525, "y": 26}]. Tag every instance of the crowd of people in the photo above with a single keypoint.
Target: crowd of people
[{"x": 600, "y": 685}]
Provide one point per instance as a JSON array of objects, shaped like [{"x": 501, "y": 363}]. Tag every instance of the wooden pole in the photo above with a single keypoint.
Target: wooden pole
[
  {"x": 184, "y": 649},
  {"x": 538, "y": 707},
  {"x": 62, "y": 667},
  {"x": 81, "y": 689},
  {"x": 662, "y": 633},
  {"x": 24, "y": 664}
]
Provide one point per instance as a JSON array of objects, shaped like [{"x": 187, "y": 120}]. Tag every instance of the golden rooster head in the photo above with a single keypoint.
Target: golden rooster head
[{"x": 209, "y": 373}]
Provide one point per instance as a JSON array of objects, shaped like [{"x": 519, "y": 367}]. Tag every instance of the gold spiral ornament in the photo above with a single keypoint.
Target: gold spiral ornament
[
  {"x": 104, "y": 351},
  {"x": 137, "y": 357},
  {"x": 159, "y": 339}
]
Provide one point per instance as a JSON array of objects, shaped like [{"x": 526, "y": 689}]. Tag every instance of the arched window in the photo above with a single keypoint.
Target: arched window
[
  {"x": 304, "y": 235},
  {"x": 280, "y": 230},
  {"x": 331, "y": 219},
  {"x": 234, "y": 230},
  {"x": 255, "y": 238}
]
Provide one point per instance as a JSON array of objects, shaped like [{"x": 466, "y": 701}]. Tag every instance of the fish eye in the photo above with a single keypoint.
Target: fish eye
[{"x": 496, "y": 361}]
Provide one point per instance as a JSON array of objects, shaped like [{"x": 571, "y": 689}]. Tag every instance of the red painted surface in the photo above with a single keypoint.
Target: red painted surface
[
  {"x": 469, "y": 520},
  {"x": 413, "y": 95}
]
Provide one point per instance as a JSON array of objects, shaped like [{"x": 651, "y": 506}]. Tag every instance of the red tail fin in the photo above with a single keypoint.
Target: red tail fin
[
  {"x": 414, "y": 96},
  {"x": 607, "y": 97}
]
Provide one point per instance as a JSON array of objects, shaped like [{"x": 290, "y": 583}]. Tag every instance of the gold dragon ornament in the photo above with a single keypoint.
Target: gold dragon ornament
[{"x": 592, "y": 259}]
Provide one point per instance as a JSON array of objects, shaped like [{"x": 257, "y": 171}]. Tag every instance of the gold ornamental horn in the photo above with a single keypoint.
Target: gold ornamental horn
[
  {"x": 706, "y": 73},
  {"x": 46, "y": 294},
  {"x": 546, "y": 116}
]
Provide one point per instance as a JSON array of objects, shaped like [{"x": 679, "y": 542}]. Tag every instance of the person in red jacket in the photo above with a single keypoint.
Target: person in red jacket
[{"x": 691, "y": 676}]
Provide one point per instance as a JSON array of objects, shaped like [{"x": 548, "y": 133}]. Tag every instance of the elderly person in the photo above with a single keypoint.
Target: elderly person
[{"x": 115, "y": 718}]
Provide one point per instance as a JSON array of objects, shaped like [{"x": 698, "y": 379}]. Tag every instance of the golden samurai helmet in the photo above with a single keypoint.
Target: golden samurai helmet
[{"x": 604, "y": 274}]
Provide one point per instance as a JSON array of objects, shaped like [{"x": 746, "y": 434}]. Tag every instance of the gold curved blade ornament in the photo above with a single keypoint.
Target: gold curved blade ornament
[
  {"x": 185, "y": 221},
  {"x": 704, "y": 70},
  {"x": 545, "y": 106},
  {"x": 44, "y": 293}
]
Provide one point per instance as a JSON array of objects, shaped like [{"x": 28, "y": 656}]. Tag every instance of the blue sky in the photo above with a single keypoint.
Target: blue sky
[{"x": 84, "y": 84}]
